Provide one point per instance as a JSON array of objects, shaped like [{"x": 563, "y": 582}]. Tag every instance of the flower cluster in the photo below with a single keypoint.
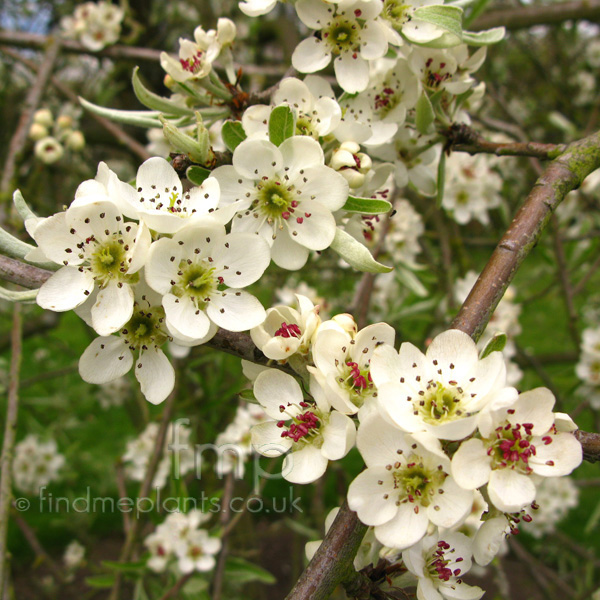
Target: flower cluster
[
  {"x": 138, "y": 452},
  {"x": 94, "y": 25},
  {"x": 588, "y": 367},
  {"x": 180, "y": 540},
  {"x": 52, "y": 136},
  {"x": 36, "y": 463}
]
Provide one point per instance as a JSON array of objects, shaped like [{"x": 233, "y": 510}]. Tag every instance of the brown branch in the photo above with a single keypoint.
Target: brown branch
[
  {"x": 172, "y": 593},
  {"x": 225, "y": 517},
  {"x": 462, "y": 138},
  {"x": 540, "y": 14},
  {"x": 564, "y": 174},
  {"x": 19, "y": 139},
  {"x": 10, "y": 426},
  {"x": 117, "y": 132}
]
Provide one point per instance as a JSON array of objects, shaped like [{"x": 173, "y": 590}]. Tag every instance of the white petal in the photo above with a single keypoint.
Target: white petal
[
  {"x": 558, "y": 458},
  {"x": 143, "y": 240},
  {"x": 55, "y": 240},
  {"x": 325, "y": 186},
  {"x": 471, "y": 466},
  {"x": 105, "y": 359},
  {"x": 351, "y": 73},
  {"x": 338, "y": 436},
  {"x": 273, "y": 389},
  {"x": 312, "y": 226},
  {"x": 157, "y": 176},
  {"x": 66, "y": 289},
  {"x": 254, "y": 159},
  {"x": 488, "y": 540},
  {"x": 385, "y": 365},
  {"x": 113, "y": 308},
  {"x": 373, "y": 41},
  {"x": 379, "y": 442},
  {"x": 184, "y": 319},
  {"x": 241, "y": 259},
  {"x": 304, "y": 466},
  {"x": 162, "y": 264},
  {"x": 155, "y": 374},
  {"x": 311, "y": 55},
  {"x": 267, "y": 440},
  {"x": 313, "y": 13},
  {"x": 510, "y": 491},
  {"x": 405, "y": 529},
  {"x": 367, "y": 497},
  {"x": 301, "y": 152},
  {"x": 287, "y": 253},
  {"x": 453, "y": 505},
  {"x": 235, "y": 310}
]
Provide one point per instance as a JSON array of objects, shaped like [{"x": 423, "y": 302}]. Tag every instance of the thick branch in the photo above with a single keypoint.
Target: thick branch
[
  {"x": 462, "y": 138},
  {"x": 564, "y": 174},
  {"x": 540, "y": 14}
]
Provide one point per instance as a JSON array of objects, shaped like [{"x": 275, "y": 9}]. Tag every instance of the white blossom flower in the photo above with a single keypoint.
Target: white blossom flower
[
  {"x": 342, "y": 363},
  {"x": 312, "y": 100},
  {"x": 442, "y": 390},
  {"x": 519, "y": 439},
  {"x": 286, "y": 194},
  {"x": 197, "y": 553},
  {"x": 200, "y": 273},
  {"x": 109, "y": 357},
  {"x": 73, "y": 556},
  {"x": 159, "y": 200},
  {"x": 406, "y": 486},
  {"x": 196, "y": 58},
  {"x": 349, "y": 32},
  {"x": 313, "y": 432},
  {"x": 94, "y": 25},
  {"x": 36, "y": 463},
  {"x": 100, "y": 251},
  {"x": 401, "y": 18},
  {"x": 287, "y": 331},
  {"x": 49, "y": 150},
  {"x": 439, "y": 562}
]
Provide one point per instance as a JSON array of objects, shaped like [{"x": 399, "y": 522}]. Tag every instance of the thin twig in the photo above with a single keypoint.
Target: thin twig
[
  {"x": 122, "y": 488},
  {"x": 172, "y": 593},
  {"x": 34, "y": 96},
  {"x": 10, "y": 426},
  {"x": 586, "y": 278},
  {"x": 35, "y": 544},
  {"x": 225, "y": 516}
]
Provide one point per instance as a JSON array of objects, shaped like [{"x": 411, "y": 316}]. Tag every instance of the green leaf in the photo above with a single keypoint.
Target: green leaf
[
  {"x": 496, "y": 344},
  {"x": 197, "y": 175},
  {"x": 281, "y": 124},
  {"x": 484, "y": 38},
  {"x": 185, "y": 143},
  {"x": 140, "y": 118},
  {"x": 441, "y": 179},
  {"x": 248, "y": 396},
  {"x": 355, "y": 254},
  {"x": 445, "y": 17},
  {"x": 411, "y": 281},
  {"x": 13, "y": 296},
  {"x": 22, "y": 207},
  {"x": 154, "y": 101},
  {"x": 366, "y": 206},
  {"x": 12, "y": 246},
  {"x": 424, "y": 113},
  {"x": 100, "y": 581},
  {"x": 233, "y": 134},
  {"x": 239, "y": 571}
]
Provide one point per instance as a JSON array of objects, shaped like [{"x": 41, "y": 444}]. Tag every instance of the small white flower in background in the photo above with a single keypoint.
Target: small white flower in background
[
  {"x": 439, "y": 563},
  {"x": 342, "y": 362},
  {"x": 287, "y": 331},
  {"x": 312, "y": 100},
  {"x": 406, "y": 485},
  {"x": 36, "y": 463},
  {"x": 94, "y": 25},
  {"x": 235, "y": 443},
  {"x": 159, "y": 200},
  {"x": 349, "y": 32},
  {"x": 400, "y": 18},
  {"x": 200, "y": 273},
  {"x": 196, "y": 58},
  {"x": 73, "y": 556},
  {"x": 113, "y": 393},
  {"x": 405, "y": 229},
  {"x": 49, "y": 150},
  {"x": 286, "y": 194},
  {"x": 109, "y": 357},
  {"x": 519, "y": 439},
  {"x": 442, "y": 390},
  {"x": 99, "y": 251},
  {"x": 138, "y": 452},
  {"x": 555, "y": 496},
  {"x": 313, "y": 432},
  {"x": 179, "y": 538},
  {"x": 472, "y": 188}
]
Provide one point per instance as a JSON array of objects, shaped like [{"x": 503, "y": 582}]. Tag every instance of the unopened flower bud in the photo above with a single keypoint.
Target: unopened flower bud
[
  {"x": 226, "y": 31},
  {"x": 64, "y": 122},
  {"x": 342, "y": 158},
  {"x": 198, "y": 150},
  {"x": 346, "y": 322},
  {"x": 75, "y": 141},
  {"x": 354, "y": 178},
  {"x": 43, "y": 117},
  {"x": 48, "y": 150},
  {"x": 37, "y": 131},
  {"x": 169, "y": 82},
  {"x": 351, "y": 147}
]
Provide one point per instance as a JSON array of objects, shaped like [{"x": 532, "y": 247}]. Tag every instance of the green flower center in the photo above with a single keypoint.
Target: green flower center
[
  {"x": 274, "y": 200},
  {"x": 397, "y": 13},
  {"x": 416, "y": 482},
  {"x": 440, "y": 404},
  {"x": 145, "y": 328},
  {"x": 342, "y": 35},
  {"x": 109, "y": 261},
  {"x": 356, "y": 381},
  {"x": 196, "y": 280}
]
